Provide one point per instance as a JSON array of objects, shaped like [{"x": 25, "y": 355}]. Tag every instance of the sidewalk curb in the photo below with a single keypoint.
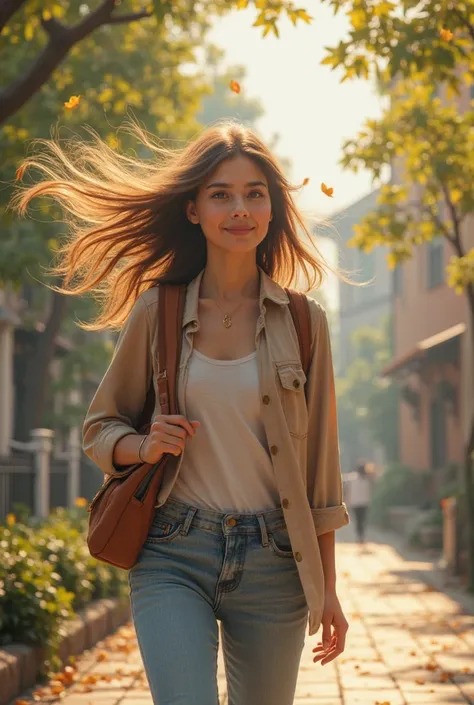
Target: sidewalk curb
[{"x": 20, "y": 664}]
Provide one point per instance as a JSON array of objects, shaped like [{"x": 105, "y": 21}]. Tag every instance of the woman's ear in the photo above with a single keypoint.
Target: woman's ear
[{"x": 191, "y": 212}]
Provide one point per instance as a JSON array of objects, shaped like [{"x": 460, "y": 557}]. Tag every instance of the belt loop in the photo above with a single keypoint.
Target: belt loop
[
  {"x": 188, "y": 521},
  {"x": 263, "y": 529}
]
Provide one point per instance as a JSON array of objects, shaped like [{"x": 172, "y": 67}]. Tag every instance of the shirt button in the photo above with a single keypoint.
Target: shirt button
[
  {"x": 296, "y": 383},
  {"x": 298, "y": 556},
  {"x": 231, "y": 521},
  {"x": 274, "y": 450},
  {"x": 266, "y": 399},
  {"x": 285, "y": 504}
]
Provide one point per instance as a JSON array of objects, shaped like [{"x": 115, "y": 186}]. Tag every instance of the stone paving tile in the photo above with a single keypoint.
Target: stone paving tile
[{"x": 408, "y": 643}]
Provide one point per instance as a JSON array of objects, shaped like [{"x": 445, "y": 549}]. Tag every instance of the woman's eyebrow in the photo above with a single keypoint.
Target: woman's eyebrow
[{"x": 221, "y": 184}]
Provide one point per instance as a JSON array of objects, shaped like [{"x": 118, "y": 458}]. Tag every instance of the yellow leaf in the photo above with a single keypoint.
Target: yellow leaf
[
  {"x": 11, "y": 520},
  {"x": 235, "y": 87},
  {"x": 446, "y": 34},
  {"x": 328, "y": 191},
  {"x": 306, "y": 182},
  {"x": 47, "y": 15},
  {"x": 73, "y": 102},
  {"x": 28, "y": 32},
  {"x": 80, "y": 502}
]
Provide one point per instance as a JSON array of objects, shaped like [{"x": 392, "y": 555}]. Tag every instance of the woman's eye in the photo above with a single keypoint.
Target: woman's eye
[
  {"x": 218, "y": 194},
  {"x": 259, "y": 194}
]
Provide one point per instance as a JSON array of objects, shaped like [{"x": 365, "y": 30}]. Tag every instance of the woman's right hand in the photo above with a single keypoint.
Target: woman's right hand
[{"x": 168, "y": 434}]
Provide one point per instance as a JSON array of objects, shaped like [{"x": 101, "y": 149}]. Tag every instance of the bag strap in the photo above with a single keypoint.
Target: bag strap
[
  {"x": 171, "y": 300},
  {"x": 299, "y": 309},
  {"x": 170, "y": 318}
]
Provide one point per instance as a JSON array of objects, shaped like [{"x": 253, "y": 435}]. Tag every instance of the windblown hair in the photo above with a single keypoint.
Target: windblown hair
[{"x": 128, "y": 228}]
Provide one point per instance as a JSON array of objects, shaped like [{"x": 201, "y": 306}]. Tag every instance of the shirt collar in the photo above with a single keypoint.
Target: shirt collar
[{"x": 269, "y": 289}]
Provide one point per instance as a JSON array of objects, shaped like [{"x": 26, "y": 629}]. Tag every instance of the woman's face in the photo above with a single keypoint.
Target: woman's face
[{"x": 233, "y": 206}]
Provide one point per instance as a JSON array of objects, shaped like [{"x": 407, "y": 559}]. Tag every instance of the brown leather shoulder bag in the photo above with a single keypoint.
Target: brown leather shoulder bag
[{"x": 121, "y": 513}]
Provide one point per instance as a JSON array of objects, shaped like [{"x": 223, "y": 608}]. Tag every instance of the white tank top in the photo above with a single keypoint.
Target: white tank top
[{"x": 226, "y": 466}]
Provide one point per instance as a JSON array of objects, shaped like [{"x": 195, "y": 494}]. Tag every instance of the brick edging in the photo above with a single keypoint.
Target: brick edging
[{"x": 20, "y": 664}]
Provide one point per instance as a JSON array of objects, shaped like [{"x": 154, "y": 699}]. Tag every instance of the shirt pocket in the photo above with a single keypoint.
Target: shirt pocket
[{"x": 292, "y": 380}]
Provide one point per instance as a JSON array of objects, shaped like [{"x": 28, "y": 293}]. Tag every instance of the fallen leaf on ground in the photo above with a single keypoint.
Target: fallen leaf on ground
[{"x": 420, "y": 681}]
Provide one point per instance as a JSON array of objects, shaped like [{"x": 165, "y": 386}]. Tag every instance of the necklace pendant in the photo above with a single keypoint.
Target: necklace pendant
[{"x": 227, "y": 321}]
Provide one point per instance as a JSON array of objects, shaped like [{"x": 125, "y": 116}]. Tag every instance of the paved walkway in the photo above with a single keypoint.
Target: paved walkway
[{"x": 408, "y": 643}]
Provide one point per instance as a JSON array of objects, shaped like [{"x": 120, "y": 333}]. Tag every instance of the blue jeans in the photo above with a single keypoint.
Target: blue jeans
[{"x": 199, "y": 566}]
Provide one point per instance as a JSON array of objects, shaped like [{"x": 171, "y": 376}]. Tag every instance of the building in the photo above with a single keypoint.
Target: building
[
  {"x": 360, "y": 306},
  {"x": 432, "y": 354},
  {"x": 367, "y": 306}
]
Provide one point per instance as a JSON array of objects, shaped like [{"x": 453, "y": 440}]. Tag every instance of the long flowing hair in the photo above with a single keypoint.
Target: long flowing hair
[{"x": 128, "y": 228}]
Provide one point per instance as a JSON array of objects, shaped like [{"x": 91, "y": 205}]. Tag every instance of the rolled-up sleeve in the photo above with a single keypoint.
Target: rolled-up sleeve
[
  {"x": 119, "y": 400},
  {"x": 323, "y": 471}
]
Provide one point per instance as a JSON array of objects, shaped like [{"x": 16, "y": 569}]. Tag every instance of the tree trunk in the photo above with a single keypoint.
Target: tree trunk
[{"x": 39, "y": 366}]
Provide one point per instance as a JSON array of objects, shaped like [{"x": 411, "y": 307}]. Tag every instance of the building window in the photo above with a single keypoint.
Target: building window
[{"x": 435, "y": 262}]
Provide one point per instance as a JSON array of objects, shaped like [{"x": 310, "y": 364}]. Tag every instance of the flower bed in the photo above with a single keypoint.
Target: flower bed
[{"x": 46, "y": 576}]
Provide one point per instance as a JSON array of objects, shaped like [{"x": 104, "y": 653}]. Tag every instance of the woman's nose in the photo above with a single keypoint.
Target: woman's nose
[{"x": 239, "y": 208}]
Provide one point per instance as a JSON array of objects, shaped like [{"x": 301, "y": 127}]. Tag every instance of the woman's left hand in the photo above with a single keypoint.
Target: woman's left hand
[{"x": 335, "y": 628}]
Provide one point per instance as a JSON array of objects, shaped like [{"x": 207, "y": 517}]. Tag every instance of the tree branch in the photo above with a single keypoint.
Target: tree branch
[
  {"x": 8, "y": 9},
  {"x": 456, "y": 241},
  {"x": 132, "y": 17},
  {"x": 464, "y": 20},
  {"x": 61, "y": 40}
]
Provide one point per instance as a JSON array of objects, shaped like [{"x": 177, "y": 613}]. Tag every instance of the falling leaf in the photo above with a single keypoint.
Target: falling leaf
[
  {"x": 11, "y": 520},
  {"x": 413, "y": 653},
  {"x": 328, "y": 191},
  {"x": 446, "y": 34},
  {"x": 420, "y": 681},
  {"x": 80, "y": 502},
  {"x": 306, "y": 182},
  {"x": 235, "y": 87},
  {"x": 47, "y": 15},
  {"x": 73, "y": 102}
]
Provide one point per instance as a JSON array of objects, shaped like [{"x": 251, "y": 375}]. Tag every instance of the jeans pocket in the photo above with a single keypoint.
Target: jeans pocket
[
  {"x": 162, "y": 531},
  {"x": 280, "y": 543}
]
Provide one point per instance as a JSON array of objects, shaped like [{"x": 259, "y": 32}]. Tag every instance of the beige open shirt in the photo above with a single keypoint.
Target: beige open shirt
[{"x": 302, "y": 438}]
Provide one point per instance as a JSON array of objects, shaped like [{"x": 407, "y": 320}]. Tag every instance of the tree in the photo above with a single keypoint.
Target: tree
[
  {"x": 418, "y": 47},
  {"x": 113, "y": 76},
  {"x": 55, "y": 30}
]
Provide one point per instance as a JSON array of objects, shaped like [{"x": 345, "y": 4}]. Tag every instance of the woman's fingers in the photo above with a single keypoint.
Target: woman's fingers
[{"x": 176, "y": 424}]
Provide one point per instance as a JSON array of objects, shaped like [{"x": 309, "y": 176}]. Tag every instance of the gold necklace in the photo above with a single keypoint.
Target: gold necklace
[{"x": 227, "y": 320}]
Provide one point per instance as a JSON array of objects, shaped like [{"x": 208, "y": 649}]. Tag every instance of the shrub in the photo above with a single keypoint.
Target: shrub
[
  {"x": 33, "y": 603},
  {"x": 46, "y": 574},
  {"x": 399, "y": 485}
]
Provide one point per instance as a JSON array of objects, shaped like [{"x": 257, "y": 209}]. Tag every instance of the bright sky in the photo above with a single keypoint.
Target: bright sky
[{"x": 304, "y": 102}]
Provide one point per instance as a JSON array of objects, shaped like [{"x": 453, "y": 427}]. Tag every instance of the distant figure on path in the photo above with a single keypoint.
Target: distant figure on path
[{"x": 359, "y": 491}]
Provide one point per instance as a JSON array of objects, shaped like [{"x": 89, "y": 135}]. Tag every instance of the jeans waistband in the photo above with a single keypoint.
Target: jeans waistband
[{"x": 221, "y": 522}]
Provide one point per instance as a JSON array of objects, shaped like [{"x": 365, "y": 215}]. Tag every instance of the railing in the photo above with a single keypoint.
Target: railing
[{"x": 34, "y": 476}]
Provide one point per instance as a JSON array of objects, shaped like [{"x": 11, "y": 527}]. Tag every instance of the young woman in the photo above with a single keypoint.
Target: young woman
[{"x": 244, "y": 528}]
